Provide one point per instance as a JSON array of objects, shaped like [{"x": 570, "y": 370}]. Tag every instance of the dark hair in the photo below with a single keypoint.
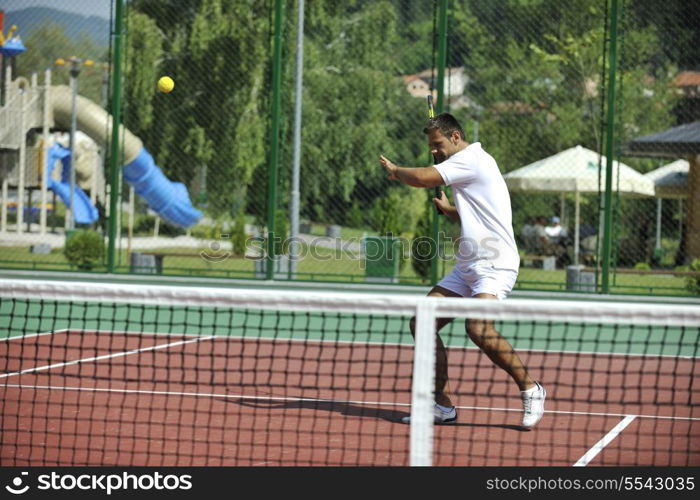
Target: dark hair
[{"x": 446, "y": 123}]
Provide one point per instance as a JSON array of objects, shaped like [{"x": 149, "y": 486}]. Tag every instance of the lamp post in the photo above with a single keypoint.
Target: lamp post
[
  {"x": 76, "y": 64},
  {"x": 296, "y": 161}
]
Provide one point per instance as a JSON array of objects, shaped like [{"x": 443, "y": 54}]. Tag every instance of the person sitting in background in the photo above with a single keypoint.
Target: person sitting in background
[
  {"x": 558, "y": 242},
  {"x": 541, "y": 240},
  {"x": 554, "y": 231},
  {"x": 588, "y": 242},
  {"x": 585, "y": 230},
  {"x": 528, "y": 235}
]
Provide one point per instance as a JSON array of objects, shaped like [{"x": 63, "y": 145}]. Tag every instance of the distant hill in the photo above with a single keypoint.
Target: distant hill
[{"x": 27, "y": 20}]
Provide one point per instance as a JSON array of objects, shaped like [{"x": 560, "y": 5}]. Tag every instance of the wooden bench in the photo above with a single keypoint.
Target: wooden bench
[
  {"x": 155, "y": 265},
  {"x": 152, "y": 262},
  {"x": 665, "y": 272},
  {"x": 545, "y": 262}
]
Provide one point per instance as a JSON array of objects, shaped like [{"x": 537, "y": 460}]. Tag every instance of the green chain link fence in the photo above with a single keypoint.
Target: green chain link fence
[{"x": 262, "y": 162}]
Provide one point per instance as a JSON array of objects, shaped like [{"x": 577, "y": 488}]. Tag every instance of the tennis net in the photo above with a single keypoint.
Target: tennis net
[{"x": 119, "y": 374}]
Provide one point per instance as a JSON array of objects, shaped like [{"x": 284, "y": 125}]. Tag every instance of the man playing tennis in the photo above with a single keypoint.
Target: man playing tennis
[{"x": 487, "y": 256}]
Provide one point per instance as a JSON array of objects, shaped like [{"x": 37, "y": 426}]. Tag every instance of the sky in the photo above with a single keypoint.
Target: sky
[{"x": 88, "y": 8}]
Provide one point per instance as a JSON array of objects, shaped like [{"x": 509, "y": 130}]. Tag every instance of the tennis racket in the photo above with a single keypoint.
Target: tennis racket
[{"x": 431, "y": 114}]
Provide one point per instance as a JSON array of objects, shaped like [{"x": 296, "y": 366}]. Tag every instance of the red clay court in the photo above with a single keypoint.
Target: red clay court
[{"x": 100, "y": 398}]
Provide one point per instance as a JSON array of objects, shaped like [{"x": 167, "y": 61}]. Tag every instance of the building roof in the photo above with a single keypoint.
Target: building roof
[
  {"x": 669, "y": 143},
  {"x": 687, "y": 79},
  {"x": 456, "y": 81}
]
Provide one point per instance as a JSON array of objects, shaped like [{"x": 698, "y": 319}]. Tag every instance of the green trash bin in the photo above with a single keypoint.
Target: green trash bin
[{"x": 382, "y": 256}]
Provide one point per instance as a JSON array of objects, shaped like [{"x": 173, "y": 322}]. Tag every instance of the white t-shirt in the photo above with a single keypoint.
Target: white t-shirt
[
  {"x": 483, "y": 203},
  {"x": 553, "y": 231}
]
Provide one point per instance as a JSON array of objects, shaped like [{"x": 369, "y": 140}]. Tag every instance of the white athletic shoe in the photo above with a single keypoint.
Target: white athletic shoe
[
  {"x": 440, "y": 416},
  {"x": 533, "y": 405}
]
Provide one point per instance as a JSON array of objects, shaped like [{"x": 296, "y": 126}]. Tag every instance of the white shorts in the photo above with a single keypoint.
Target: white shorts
[{"x": 481, "y": 277}]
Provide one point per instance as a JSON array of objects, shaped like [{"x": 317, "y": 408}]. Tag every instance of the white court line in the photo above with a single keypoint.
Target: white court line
[
  {"x": 297, "y": 399},
  {"x": 31, "y": 335},
  {"x": 105, "y": 356},
  {"x": 80, "y": 331},
  {"x": 607, "y": 439}
]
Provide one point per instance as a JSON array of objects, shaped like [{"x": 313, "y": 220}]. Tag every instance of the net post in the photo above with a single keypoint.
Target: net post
[{"x": 422, "y": 397}]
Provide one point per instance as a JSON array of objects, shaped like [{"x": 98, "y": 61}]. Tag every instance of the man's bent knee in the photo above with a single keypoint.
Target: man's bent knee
[
  {"x": 481, "y": 331},
  {"x": 476, "y": 327}
]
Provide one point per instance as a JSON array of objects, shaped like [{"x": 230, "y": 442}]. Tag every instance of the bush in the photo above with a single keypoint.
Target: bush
[
  {"x": 281, "y": 233},
  {"x": 216, "y": 229},
  {"x": 422, "y": 248},
  {"x": 238, "y": 236},
  {"x": 692, "y": 283},
  {"x": 355, "y": 216},
  {"x": 281, "y": 243},
  {"x": 642, "y": 266},
  {"x": 167, "y": 229},
  {"x": 385, "y": 214},
  {"x": 84, "y": 249},
  {"x": 398, "y": 212},
  {"x": 144, "y": 225},
  {"x": 200, "y": 231}
]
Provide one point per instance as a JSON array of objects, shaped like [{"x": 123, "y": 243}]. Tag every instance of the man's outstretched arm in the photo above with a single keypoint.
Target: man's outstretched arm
[{"x": 423, "y": 177}]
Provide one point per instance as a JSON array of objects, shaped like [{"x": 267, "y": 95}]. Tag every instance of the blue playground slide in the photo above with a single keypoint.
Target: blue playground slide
[
  {"x": 84, "y": 212},
  {"x": 169, "y": 199}
]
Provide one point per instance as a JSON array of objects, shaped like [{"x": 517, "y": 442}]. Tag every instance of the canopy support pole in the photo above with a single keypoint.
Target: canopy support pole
[{"x": 577, "y": 228}]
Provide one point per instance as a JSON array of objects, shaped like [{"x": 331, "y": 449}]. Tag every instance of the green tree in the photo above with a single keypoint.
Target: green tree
[
  {"x": 217, "y": 55},
  {"x": 537, "y": 68},
  {"x": 145, "y": 52},
  {"x": 355, "y": 106},
  {"x": 48, "y": 43}
]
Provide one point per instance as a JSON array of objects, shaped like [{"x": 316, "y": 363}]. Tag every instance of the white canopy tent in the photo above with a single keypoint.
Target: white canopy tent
[
  {"x": 682, "y": 141},
  {"x": 575, "y": 170},
  {"x": 670, "y": 182}
]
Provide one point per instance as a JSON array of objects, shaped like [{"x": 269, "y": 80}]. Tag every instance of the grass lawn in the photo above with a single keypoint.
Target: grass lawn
[
  {"x": 20, "y": 257},
  {"x": 324, "y": 264},
  {"x": 538, "y": 279}
]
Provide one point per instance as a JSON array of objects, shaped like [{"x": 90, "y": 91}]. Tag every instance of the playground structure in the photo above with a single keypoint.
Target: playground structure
[{"x": 45, "y": 109}]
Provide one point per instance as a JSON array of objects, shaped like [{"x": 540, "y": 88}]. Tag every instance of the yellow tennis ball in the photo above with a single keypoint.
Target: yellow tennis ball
[{"x": 166, "y": 84}]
